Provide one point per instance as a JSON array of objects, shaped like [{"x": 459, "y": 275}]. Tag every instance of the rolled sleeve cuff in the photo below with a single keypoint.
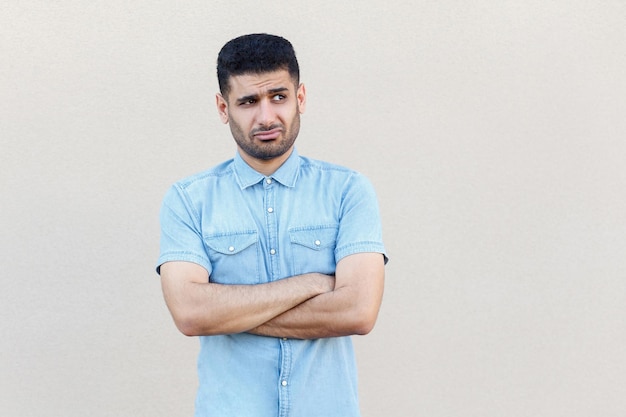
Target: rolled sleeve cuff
[
  {"x": 360, "y": 247},
  {"x": 183, "y": 257}
]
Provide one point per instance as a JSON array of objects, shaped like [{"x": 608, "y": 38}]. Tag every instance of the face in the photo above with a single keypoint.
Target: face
[{"x": 263, "y": 111}]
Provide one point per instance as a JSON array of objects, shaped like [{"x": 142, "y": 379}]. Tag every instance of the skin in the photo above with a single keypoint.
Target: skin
[{"x": 263, "y": 111}]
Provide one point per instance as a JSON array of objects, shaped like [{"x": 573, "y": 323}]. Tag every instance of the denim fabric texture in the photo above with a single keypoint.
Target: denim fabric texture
[{"x": 245, "y": 228}]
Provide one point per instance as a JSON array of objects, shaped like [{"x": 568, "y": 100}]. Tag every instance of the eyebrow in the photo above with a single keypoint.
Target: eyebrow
[
  {"x": 271, "y": 91},
  {"x": 277, "y": 90}
]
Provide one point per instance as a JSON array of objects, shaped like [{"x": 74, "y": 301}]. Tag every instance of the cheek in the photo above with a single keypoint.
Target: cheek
[
  {"x": 290, "y": 116},
  {"x": 235, "y": 128},
  {"x": 236, "y": 124}
]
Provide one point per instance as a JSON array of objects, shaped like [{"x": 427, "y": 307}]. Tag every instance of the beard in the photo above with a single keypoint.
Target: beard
[{"x": 266, "y": 150}]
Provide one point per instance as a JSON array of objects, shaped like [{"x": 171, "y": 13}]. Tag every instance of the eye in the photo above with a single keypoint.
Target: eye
[
  {"x": 279, "y": 97},
  {"x": 247, "y": 102}
]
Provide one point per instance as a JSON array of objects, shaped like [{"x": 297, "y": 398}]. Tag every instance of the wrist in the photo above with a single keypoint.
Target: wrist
[{"x": 326, "y": 283}]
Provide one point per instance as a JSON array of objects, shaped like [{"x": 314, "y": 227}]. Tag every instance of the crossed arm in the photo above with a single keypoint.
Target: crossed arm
[{"x": 305, "y": 306}]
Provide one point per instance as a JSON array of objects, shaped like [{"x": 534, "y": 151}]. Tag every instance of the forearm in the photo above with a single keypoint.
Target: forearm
[
  {"x": 351, "y": 308},
  {"x": 203, "y": 308},
  {"x": 331, "y": 314},
  {"x": 225, "y": 309}
]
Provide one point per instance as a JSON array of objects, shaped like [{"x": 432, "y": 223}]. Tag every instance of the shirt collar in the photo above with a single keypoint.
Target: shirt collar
[{"x": 286, "y": 174}]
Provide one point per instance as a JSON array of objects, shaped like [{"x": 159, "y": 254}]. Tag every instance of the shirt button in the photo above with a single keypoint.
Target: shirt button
[
  {"x": 231, "y": 248},
  {"x": 268, "y": 180},
  {"x": 273, "y": 251},
  {"x": 283, "y": 383},
  {"x": 317, "y": 243},
  {"x": 270, "y": 210}
]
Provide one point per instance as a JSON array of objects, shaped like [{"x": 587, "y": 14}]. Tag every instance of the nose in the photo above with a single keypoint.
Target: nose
[{"x": 267, "y": 115}]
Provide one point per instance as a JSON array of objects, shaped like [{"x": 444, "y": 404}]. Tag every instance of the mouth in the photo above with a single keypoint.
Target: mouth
[{"x": 267, "y": 134}]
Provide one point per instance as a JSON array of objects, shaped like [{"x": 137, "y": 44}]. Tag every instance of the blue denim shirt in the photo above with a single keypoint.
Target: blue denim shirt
[{"x": 245, "y": 228}]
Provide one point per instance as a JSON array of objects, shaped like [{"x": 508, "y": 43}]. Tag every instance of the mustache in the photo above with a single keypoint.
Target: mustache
[{"x": 266, "y": 128}]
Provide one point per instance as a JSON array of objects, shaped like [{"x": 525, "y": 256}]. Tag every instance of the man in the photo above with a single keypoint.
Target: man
[{"x": 273, "y": 259}]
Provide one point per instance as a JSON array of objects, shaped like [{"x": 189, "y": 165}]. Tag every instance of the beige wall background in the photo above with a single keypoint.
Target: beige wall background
[{"x": 494, "y": 132}]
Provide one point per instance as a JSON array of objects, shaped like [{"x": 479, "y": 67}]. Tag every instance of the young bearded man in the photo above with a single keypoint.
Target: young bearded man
[{"x": 274, "y": 260}]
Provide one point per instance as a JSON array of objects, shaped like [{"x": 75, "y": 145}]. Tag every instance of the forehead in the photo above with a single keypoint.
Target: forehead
[{"x": 248, "y": 84}]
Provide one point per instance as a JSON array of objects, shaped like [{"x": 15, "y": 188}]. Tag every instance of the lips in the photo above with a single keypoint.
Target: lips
[{"x": 268, "y": 134}]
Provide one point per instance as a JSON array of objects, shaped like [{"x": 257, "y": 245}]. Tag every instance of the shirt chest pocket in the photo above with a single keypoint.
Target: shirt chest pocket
[
  {"x": 313, "y": 249},
  {"x": 234, "y": 257}
]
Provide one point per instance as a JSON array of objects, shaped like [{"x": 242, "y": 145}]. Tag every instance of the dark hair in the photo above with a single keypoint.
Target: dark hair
[{"x": 255, "y": 54}]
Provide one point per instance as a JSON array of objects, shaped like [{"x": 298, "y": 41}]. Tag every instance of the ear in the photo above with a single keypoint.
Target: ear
[
  {"x": 222, "y": 107},
  {"x": 301, "y": 95}
]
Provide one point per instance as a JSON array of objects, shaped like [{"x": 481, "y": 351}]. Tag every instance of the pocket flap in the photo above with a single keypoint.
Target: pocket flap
[
  {"x": 314, "y": 238},
  {"x": 231, "y": 243}
]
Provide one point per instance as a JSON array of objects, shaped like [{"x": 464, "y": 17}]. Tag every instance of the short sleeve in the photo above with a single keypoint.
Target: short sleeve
[
  {"x": 181, "y": 236},
  {"x": 360, "y": 227}
]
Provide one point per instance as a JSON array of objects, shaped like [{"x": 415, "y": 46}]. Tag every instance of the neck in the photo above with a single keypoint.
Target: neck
[{"x": 265, "y": 166}]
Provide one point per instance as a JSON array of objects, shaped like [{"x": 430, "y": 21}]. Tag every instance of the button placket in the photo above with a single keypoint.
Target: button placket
[
  {"x": 283, "y": 379},
  {"x": 271, "y": 223}
]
